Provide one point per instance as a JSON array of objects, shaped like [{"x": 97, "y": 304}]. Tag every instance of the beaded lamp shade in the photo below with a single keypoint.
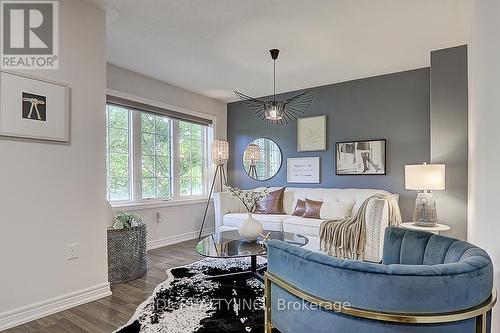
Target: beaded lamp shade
[
  {"x": 220, "y": 151},
  {"x": 252, "y": 154}
]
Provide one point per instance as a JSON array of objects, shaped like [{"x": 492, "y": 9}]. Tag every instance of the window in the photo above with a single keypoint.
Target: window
[
  {"x": 117, "y": 153},
  {"x": 192, "y": 152},
  {"x": 154, "y": 157}
]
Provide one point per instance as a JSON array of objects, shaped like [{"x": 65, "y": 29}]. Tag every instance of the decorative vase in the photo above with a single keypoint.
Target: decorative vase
[{"x": 251, "y": 228}]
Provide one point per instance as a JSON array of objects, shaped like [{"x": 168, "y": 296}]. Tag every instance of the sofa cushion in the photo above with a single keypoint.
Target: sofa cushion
[
  {"x": 271, "y": 204},
  {"x": 312, "y": 209},
  {"x": 269, "y": 221},
  {"x": 303, "y": 226},
  {"x": 336, "y": 210},
  {"x": 300, "y": 208}
]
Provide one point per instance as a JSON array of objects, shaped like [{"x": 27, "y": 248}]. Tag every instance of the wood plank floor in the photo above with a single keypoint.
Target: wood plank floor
[{"x": 107, "y": 314}]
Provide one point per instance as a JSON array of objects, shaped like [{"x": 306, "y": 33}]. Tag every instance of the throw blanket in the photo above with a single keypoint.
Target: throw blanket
[{"x": 346, "y": 238}]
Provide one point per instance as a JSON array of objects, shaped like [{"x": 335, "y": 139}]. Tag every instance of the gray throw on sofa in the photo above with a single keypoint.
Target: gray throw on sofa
[{"x": 421, "y": 273}]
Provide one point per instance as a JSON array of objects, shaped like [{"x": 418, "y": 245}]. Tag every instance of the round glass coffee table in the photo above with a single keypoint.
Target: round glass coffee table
[{"x": 229, "y": 244}]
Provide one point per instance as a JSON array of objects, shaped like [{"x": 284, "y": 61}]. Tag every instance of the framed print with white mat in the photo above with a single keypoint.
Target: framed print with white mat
[
  {"x": 33, "y": 108},
  {"x": 311, "y": 133},
  {"x": 303, "y": 170}
]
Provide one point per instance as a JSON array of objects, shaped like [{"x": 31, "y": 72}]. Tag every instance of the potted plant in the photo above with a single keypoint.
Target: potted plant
[{"x": 126, "y": 220}]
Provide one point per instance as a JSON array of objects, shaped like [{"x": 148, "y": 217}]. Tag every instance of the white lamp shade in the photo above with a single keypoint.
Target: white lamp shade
[
  {"x": 220, "y": 151},
  {"x": 425, "y": 177}
]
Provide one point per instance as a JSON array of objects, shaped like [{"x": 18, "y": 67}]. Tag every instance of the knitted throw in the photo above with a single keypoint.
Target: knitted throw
[{"x": 346, "y": 238}]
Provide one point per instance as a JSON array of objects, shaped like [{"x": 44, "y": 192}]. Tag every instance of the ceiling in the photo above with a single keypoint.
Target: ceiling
[{"x": 217, "y": 46}]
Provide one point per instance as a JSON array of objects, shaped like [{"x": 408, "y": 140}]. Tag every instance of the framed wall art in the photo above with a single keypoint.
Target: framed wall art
[
  {"x": 366, "y": 157},
  {"x": 33, "y": 108},
  {"x": 311, "y": 133},
  {"x": 303, "y": 170}
]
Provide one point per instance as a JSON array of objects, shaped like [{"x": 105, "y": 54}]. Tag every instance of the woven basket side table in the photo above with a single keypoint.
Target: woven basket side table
[{"x": 127, "y": 258}]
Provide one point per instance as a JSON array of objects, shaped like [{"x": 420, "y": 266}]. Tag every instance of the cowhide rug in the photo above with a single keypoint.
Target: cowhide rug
[{"x": 193, "y": 300}]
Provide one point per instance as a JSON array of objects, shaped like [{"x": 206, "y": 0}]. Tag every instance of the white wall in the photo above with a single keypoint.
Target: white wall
[
  {"x": 136, "y": 84},
  {"x": 176, "y": 223},
  {"x": 449, "y": 134},
  {"x": 54, "y": 194},
  {"x": 484, "y": 136}
]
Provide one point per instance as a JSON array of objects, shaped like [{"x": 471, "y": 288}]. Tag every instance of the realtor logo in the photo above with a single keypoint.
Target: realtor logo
[{"x": 30, "y": 34}]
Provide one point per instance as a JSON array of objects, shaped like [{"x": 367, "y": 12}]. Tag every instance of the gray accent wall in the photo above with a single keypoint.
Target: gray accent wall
[
  {"x": 449, "y": 105},
  {"x": 395, "y": 107}
]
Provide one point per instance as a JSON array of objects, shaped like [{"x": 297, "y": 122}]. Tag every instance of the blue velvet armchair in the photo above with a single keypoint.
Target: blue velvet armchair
[{"x": 425, "y": 283}]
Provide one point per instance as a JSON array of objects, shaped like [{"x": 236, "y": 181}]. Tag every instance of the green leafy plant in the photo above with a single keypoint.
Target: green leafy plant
[{"x": 127, "y": 220}]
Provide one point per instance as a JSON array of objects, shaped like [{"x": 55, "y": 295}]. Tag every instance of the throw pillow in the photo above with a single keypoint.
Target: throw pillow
[
  {"x": 312, "y": 209},
  {"x": 336, "y": 210},
  {"x": 300, "y": 208},
  {"x": 272, "y": 204}
]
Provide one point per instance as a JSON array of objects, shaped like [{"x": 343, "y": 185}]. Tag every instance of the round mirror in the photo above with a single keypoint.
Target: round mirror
[{"x": 262, "y": 159}]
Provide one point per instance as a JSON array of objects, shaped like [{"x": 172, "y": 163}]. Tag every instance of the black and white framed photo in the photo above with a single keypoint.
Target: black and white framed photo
[
  {"x": 33, "y": 108},
  {"x": 303, "y": 170},
  {"x": 311, "y": 133},
  {"x": 366, "y": 157}
]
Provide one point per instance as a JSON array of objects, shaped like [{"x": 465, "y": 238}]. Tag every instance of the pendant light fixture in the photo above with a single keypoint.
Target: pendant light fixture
[{"x": 278, "y": 111}]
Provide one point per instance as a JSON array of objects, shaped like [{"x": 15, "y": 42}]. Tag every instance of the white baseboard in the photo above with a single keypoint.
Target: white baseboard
[
  {"x": 37, "y": 310},
  {"x": 154, "y": 244},
  {"x": 41, "y": 309}
]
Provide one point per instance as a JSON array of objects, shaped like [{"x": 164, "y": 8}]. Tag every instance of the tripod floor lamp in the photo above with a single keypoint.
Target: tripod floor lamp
[{"x": 220, "y": 155}]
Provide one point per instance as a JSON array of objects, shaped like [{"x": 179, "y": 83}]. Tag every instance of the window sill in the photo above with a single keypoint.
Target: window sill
[{"x": 158, "y": 204}]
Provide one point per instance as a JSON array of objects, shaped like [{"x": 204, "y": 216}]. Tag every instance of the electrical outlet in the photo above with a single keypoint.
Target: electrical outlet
[{"x": 72, "y": 251}]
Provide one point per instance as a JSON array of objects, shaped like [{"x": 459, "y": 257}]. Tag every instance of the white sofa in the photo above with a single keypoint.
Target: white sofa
[{"x": 230, "y": 213}]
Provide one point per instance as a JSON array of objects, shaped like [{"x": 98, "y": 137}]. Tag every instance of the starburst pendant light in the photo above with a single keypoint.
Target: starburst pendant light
[{"x": 278, "y": 111}]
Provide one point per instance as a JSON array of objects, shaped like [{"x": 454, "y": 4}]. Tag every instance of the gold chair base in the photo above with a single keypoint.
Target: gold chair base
[{"x": 479, "y": 312}]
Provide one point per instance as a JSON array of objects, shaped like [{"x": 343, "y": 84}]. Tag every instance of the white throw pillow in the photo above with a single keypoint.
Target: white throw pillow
[{"x": 335, "y": 210}]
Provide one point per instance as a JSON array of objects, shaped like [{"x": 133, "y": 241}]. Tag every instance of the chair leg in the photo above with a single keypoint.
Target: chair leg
[
  {"x": 268, "y": 327},
  {"x": 481, "y": 323}
]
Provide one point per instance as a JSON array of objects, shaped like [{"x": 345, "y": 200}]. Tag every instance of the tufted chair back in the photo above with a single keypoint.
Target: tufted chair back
[{"x": 409, "y": 247}]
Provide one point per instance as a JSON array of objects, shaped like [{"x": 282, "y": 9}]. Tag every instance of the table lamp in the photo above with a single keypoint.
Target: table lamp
[
  {"x": 220, "y": 155},
  {"x": 426, "y": 178}
]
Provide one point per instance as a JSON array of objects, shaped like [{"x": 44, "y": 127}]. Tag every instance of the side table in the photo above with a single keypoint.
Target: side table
[{"x": 435, "y": 230}]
